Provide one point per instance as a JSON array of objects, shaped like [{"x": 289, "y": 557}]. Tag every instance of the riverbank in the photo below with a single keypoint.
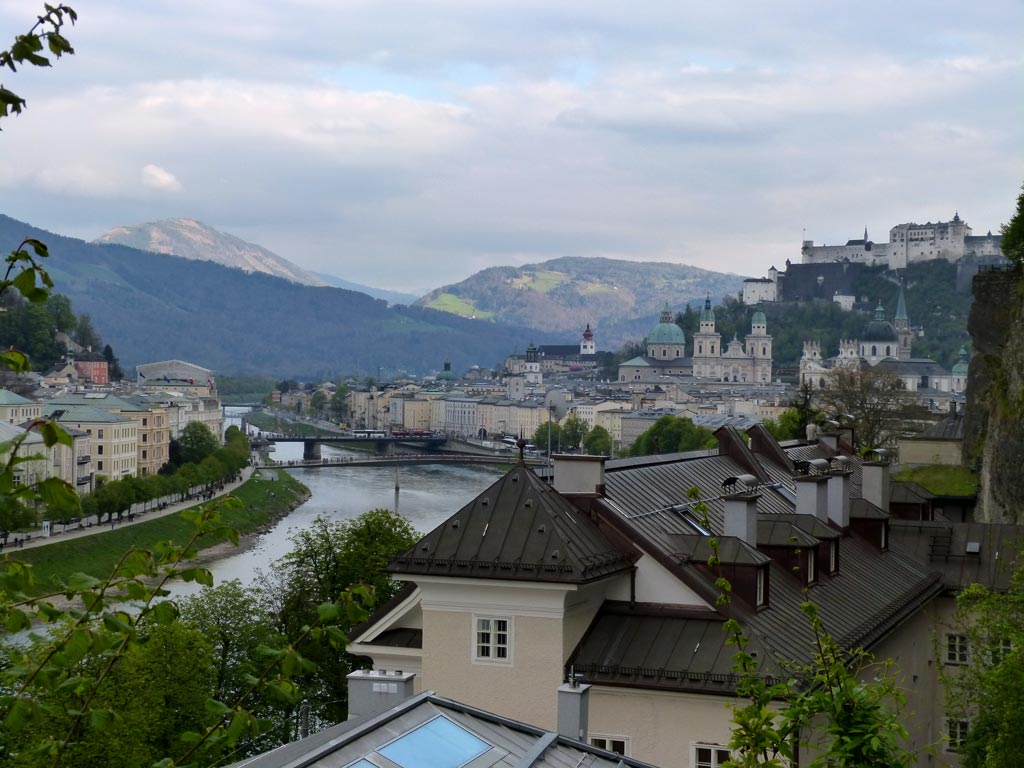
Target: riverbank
[{"x": 265, "y": 499}]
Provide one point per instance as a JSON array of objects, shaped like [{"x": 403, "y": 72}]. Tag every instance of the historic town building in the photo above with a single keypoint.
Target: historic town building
[{"x": 749, "y": 361}]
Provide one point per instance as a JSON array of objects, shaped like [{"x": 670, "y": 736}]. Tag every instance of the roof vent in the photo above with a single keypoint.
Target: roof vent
[
  {"x": 484, "y": 502},
  {"x": 455, "y": 523},
  {"x": 973, "y": 548},
  {"x": 528, "y": 503},
  {"x": 425, "y": 547},
  {"x": 540, "y": 528},
  {"x": 515, "y": 478},
  {"x": 556, "y": 555}
]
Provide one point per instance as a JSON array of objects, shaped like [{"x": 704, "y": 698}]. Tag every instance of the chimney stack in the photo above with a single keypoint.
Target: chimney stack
[
  {"x": 839, "y": 498},
  {"x": 875, "y": 483},
  {"x": 812, "y": 496},
  {"x": 573, "y": 709},
  {"x": 579, "y": 474},
  {"x": 372, "y": 691},
  {"x": 741, "y": 516}
]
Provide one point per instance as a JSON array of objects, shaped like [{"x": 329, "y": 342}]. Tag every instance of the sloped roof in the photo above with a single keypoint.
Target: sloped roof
[
  {"x": 949, "y": 428},
  {"x": 520, "y": 528},
  {"x": 510, "y": 743},
  {"x": 10, "y": 398}
]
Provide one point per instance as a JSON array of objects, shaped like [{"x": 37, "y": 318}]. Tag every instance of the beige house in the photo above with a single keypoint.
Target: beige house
[
  {"x": 15, "y": 409},
  {"x": 606, "y": 573},
  {"x": 113, "y": 439},
  {"x": 941, "y": 443},
  {"x": 28, "y": 472}
]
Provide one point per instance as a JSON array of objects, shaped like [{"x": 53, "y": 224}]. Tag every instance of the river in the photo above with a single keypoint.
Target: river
[{"x": 428, "y": 495}]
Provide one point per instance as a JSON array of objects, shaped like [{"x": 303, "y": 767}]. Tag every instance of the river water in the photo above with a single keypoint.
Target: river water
[{"x": 428, "y": 495}]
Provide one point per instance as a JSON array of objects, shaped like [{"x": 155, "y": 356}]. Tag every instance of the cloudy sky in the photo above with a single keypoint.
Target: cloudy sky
[{"x": 408, "y": 144}]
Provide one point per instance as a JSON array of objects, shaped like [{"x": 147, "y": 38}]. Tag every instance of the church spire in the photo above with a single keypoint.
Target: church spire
[
  {"x": 901, "y": 310},
  {"x": 865, "y": 233}
]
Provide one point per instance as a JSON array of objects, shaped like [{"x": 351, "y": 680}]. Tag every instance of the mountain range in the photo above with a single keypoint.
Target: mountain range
[{"x": 150, "y": 306}]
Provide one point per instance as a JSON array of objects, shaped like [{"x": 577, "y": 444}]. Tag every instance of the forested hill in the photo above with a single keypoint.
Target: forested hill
[
  {"x": 619, "y": 298},
  {"x": 933, "y": 304},
  {"x": 152, "y": 307}
]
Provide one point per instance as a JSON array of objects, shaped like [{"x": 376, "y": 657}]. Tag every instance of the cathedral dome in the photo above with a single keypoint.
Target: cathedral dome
[
  {"x": 961, "y": 365},
  {"x": 666, "y": 332},
  {"x": 759, "y": 318},
  {"x": 879, "y": 329}
]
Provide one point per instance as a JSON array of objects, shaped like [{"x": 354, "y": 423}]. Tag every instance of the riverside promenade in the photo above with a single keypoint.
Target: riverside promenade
[{"x": 92, "y": 527}]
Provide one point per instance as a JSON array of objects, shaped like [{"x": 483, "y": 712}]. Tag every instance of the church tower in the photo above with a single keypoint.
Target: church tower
[
  {"x": 707, "y": 345},
  {"x": 759, "y": 349},
  {"x": 902, "y": 324},
  {"x": 587, "y": 346}
]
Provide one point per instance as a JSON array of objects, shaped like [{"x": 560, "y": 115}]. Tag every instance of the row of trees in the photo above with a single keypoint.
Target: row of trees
[
  {"x": 179, "y": 676},
  {"x": 572, "y": 435}
]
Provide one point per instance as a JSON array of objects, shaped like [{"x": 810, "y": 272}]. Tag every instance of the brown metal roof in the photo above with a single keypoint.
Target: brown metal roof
[{"x": 519, "y": 528}]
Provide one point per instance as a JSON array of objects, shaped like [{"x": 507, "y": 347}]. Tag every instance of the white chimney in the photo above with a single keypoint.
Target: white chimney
[
  {"x": 829, "y": 439},
  {"x": 741, "y": 517},
  {"x": 875, "y": 483},
  {"x": 574, "y": 710},
  {"x": 839, "y": 498},
  {"x": 579, "y": 474},
  {"x": 812, "y": 496}
]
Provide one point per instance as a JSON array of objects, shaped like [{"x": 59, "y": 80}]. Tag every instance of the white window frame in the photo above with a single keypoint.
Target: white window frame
[
  {"x": 719, "y": 754},
  {"x": 492, "y": 644},
  {"x": 957, "y": 729},
  {"x": 606, "y": 741},
  {"x": 958, "y": 649},
  {"x": 762, "y": 586}
]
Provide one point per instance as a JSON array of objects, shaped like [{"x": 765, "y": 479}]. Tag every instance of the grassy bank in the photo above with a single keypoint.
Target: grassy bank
[{"x": 262, "y": 500}]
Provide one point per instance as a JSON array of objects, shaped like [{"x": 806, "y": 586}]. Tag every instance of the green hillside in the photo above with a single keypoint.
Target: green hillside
[{"x": 617, "y": 297}]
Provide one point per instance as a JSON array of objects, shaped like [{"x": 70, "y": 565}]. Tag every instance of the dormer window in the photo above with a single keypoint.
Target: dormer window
[
  {"x": 761, "y": 596},
  {"x": 833, "y": 557},
  {"x": 811, "y": 571}
]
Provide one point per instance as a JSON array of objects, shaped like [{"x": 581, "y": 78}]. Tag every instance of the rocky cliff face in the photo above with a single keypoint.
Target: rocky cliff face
[{"x": 994, "y": 422}]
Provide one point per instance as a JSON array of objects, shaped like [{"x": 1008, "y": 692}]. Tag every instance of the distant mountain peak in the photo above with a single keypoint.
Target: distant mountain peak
[{"x": 191, "y": 239}]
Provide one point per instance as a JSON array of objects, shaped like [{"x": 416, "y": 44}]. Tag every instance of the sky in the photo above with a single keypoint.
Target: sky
[{"x": 407, "y": 145}]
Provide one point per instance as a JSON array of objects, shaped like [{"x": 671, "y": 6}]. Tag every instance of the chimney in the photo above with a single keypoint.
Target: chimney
[
  {"x": 829, "y": 439},
  {"x": 812, "y": 496},
  {"x": 741, "y": 516},
  {"x": 573, "y": 709},
  {"x": 839, "y": 498},
  {"x": 875, "y": 483},
  {"x": 812, "y": 432},
  {"x": 372, "y": 691},
  {"x": 579, "y": 474}
]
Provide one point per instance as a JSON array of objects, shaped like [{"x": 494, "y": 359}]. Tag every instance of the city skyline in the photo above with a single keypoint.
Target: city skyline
[{"x": 409, "y": 145}]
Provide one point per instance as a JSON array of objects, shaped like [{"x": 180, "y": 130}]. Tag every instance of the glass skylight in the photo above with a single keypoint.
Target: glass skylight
[{"x": 439, "y": 743}]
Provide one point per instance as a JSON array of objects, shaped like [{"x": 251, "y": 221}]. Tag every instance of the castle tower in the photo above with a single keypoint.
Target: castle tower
[
  {"x": 707, "y": 345},
  {"x": 587, "y": 346}
]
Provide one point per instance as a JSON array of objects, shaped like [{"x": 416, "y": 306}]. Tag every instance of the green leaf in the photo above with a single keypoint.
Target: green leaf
[
  {"x": 53, "y": 434},
  {"x": 101, "y": 718},
  {"x": 200, "y": 575},
  {"x": 165, "y": 612},
  {"x": 79, "y": 582},
  {"x": 59, "y": 497}
]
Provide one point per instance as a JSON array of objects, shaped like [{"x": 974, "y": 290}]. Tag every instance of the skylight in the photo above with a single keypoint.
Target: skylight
[{"x": 439, "y": 743}]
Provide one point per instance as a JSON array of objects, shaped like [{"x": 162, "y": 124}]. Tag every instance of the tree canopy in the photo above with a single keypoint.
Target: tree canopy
[{"x": 671, "y": 434}]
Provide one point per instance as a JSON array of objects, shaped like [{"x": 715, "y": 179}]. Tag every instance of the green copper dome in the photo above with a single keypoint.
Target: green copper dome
[
  {"x": 707, "y": 315},
  {"x": 759, "y": 318},
  {"x": 960, "y": 366},
  {"x": 666, "y": 331}
]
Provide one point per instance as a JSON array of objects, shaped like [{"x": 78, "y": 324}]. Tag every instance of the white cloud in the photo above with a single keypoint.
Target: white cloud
[{"x": 156, "y": 178}]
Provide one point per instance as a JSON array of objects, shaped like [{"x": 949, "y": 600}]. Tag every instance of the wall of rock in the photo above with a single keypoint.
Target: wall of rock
[{"x": 994, "y": 420}]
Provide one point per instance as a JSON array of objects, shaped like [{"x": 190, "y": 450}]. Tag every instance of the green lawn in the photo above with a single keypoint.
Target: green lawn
[
  {"x": 942, "y": 480},
  {"x": 546, "y": 281},
  {"x": 262, "y": 500},
  {"x": 456, "y": 305}
]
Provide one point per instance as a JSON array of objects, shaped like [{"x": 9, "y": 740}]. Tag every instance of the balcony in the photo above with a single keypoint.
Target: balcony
[{"x": 83, "y": 459}]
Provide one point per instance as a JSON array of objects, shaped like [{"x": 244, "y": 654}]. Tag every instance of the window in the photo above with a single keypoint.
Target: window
[
  {"x": 762, "y": 583},
  {"x": 710, "y": 756},
  {"x": 1002, "y": 648},
  {"x": 811, "y": 563},
  {"x": 145, "y": 437},
  {"x": 956, "y": 733},
  {"x": 957, "y": 649},
  {"x": 616, "y": 744},
  {"x": 833, "y": 556},
  {"x": 493, "y": 639},
  {"x": 99, "y": 466},
  {"x": 446, "y": 744},
  {"x": 99, "y": 449},
  {"x": 99, "y": 434}
]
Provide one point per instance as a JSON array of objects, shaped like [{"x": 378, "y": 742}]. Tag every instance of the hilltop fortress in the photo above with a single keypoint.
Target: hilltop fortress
[{"x": 908, "y": 243}]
